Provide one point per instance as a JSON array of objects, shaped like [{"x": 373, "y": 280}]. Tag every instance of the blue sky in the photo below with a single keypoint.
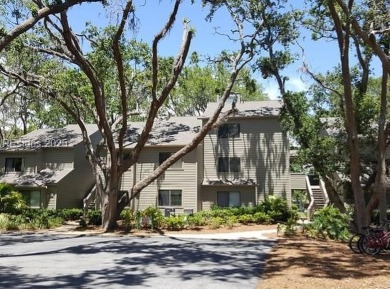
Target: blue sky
[{"x": 320, "y": 56}]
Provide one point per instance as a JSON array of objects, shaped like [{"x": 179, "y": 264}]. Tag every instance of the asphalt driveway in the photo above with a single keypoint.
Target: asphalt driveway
[{"x": 79, "y": 261}]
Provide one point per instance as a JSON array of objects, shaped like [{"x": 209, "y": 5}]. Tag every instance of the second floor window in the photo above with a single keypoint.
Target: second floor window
[
  {"x": 163, "y": 156},
  {"x": 229, "y": 130},
  {"x": 226, "y": 164},
  {"x": 13, "y": 164}
]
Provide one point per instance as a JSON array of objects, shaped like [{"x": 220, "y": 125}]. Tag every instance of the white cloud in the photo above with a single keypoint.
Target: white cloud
[{"x": 295, "y": 84}]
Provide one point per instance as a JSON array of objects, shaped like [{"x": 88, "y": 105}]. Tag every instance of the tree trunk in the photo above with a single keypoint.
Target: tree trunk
[
  {"x": 110, "y": 205},
  {"x": 380, "y": 181},
  {"x": 334, "y": 197}
]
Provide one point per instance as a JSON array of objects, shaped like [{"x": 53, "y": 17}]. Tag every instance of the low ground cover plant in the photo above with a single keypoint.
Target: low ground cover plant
[{"x": 272, "y": 210}]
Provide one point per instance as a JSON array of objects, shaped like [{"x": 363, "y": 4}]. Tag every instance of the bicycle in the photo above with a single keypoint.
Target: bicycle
[
  {"x": 355, "y": 242},
  {"x": 373, "y": 244}
]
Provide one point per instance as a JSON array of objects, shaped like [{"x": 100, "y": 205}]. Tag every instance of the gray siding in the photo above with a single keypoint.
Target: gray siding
[
  {"x": 184, "y": 178},
  {"x": 58, "y": 158},
  {"x": 298, "y": 182},
  {"x": 209, "y": 195},
  {"x": 75, "y": 186},
  {"x": 30, "y": 160},
  {"x": 264, "y": 153}
]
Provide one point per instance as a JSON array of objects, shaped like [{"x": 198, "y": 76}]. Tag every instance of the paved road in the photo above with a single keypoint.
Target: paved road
[{"x": 79, "y": 261}]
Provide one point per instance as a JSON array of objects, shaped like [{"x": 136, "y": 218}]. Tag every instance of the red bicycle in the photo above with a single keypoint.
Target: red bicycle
[{"x": 374, "y": 243}]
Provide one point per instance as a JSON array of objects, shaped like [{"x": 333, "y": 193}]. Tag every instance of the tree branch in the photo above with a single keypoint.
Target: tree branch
[{"x": 40, "y": 14}]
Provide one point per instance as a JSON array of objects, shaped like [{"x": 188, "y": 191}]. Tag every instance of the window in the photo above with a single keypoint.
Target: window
[
  {"x": 33, "y": 199},
  {"x": 13, "y": 164},
  {"x": 169, "y": 198},
  {"x": 226, "y": 164},
  {"x": 229, "y": 130},
  {"x": 228, "y": 199},
  {"x": 163, "y": 156}
]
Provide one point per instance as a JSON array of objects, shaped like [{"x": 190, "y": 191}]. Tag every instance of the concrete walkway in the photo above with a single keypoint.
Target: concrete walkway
[
  {"x": 261, "y": 234},
  {"x": 258, "y": 235}
]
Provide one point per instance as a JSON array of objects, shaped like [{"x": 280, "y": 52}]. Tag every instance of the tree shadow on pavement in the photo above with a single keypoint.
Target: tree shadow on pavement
[{"x": 142, "y": 262}]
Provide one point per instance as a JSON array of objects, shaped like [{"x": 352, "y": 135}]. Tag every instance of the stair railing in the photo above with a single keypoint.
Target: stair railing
[
  {"x": 324, "y": 192},
  {"x": 310, "y": 208}
]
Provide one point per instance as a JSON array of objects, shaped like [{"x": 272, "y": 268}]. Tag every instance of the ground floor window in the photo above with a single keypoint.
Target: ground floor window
[
  {"x": 169, "y": 198},
  {"x": 33, "y": 198},
  {"x": 228, "y": 199}
]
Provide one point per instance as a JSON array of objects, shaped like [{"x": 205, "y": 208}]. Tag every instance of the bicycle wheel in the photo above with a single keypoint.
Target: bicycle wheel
[
  {"x": 355, "y": 243},
  {"x": 371, "y": 245}
]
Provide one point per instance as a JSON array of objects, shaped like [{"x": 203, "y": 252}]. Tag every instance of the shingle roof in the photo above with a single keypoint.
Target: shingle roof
[
  {"x": 248, "y": 108},
  {"x": 44, "y": 138},
  {"x": 228, "y": 182},
  {"x": 177, "y": 131},
  {"x": 39, "y": 179}
]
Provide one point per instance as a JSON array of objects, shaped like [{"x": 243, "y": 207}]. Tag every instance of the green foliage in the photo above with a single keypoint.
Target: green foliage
[
  {"x": 300, "y": 199},
  {"x": 154, "y": 215},
  {"x": 216, "y": 222},
  {"x": 245, "y": 219},
  {"x": 261, "y": 218},
  {"x": 31, "y": 219},
  {"x": 196, "y": 220},
  {"x": 11, "y": 222},
  {"x": 70, "y": 214},
  {"x": 175, "y": 222},
  {"x": 276, "y": 208},
  {"x": 94, "y": 217},
  {"x": 128, "y": 218},
  {"x": 230, "y": 221},
  {"x": 11, "y": 201},
  {"x": 329, "y": 222}
]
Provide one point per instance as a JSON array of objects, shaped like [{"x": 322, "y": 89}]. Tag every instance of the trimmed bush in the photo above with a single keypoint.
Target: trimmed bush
[
  {"x": 230, "y": 221},
  {"x": 245, "y": 219},
  {"x": 216, "y": 222},
  {"x": 175, "y": 223},
  {"x": 70, "y": 214},
  {"x": 196, "y": 220},
  {"x": 261, "y": 218},
  {"x": 94, "y": 218}
]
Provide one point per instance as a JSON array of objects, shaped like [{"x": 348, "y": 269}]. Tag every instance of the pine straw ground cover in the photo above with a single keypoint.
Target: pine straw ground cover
[{"x": 300, "y": 263}]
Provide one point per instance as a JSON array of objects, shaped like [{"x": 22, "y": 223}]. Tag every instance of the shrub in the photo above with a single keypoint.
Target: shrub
[
  {"x": 94, "y": 217},
  {"x": 11, "y": 222},
  {"x": 230, "y": 221},
  {"x": 128, "y": 218},
  {"x": 329, "y": 222},
  {"x": 11, "y": 201},
  {"x": 245, "y": 219},
  {"x": 216, "y": 222},
  {"x": 261, "y": 218},
  {"x": 175, "y": 222},
  {"x": 70, "y": 214},
  {"x": 154, "y": 215},
  {"x": 196, "y": 220},
  {"x": 277, "y": 208},
  {"x": 220, "y": 212}
]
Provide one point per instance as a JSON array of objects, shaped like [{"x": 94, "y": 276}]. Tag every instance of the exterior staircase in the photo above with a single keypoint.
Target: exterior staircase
[
  {"x": 89, "y": 202},
  {"x": 318, "y": 195}
]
